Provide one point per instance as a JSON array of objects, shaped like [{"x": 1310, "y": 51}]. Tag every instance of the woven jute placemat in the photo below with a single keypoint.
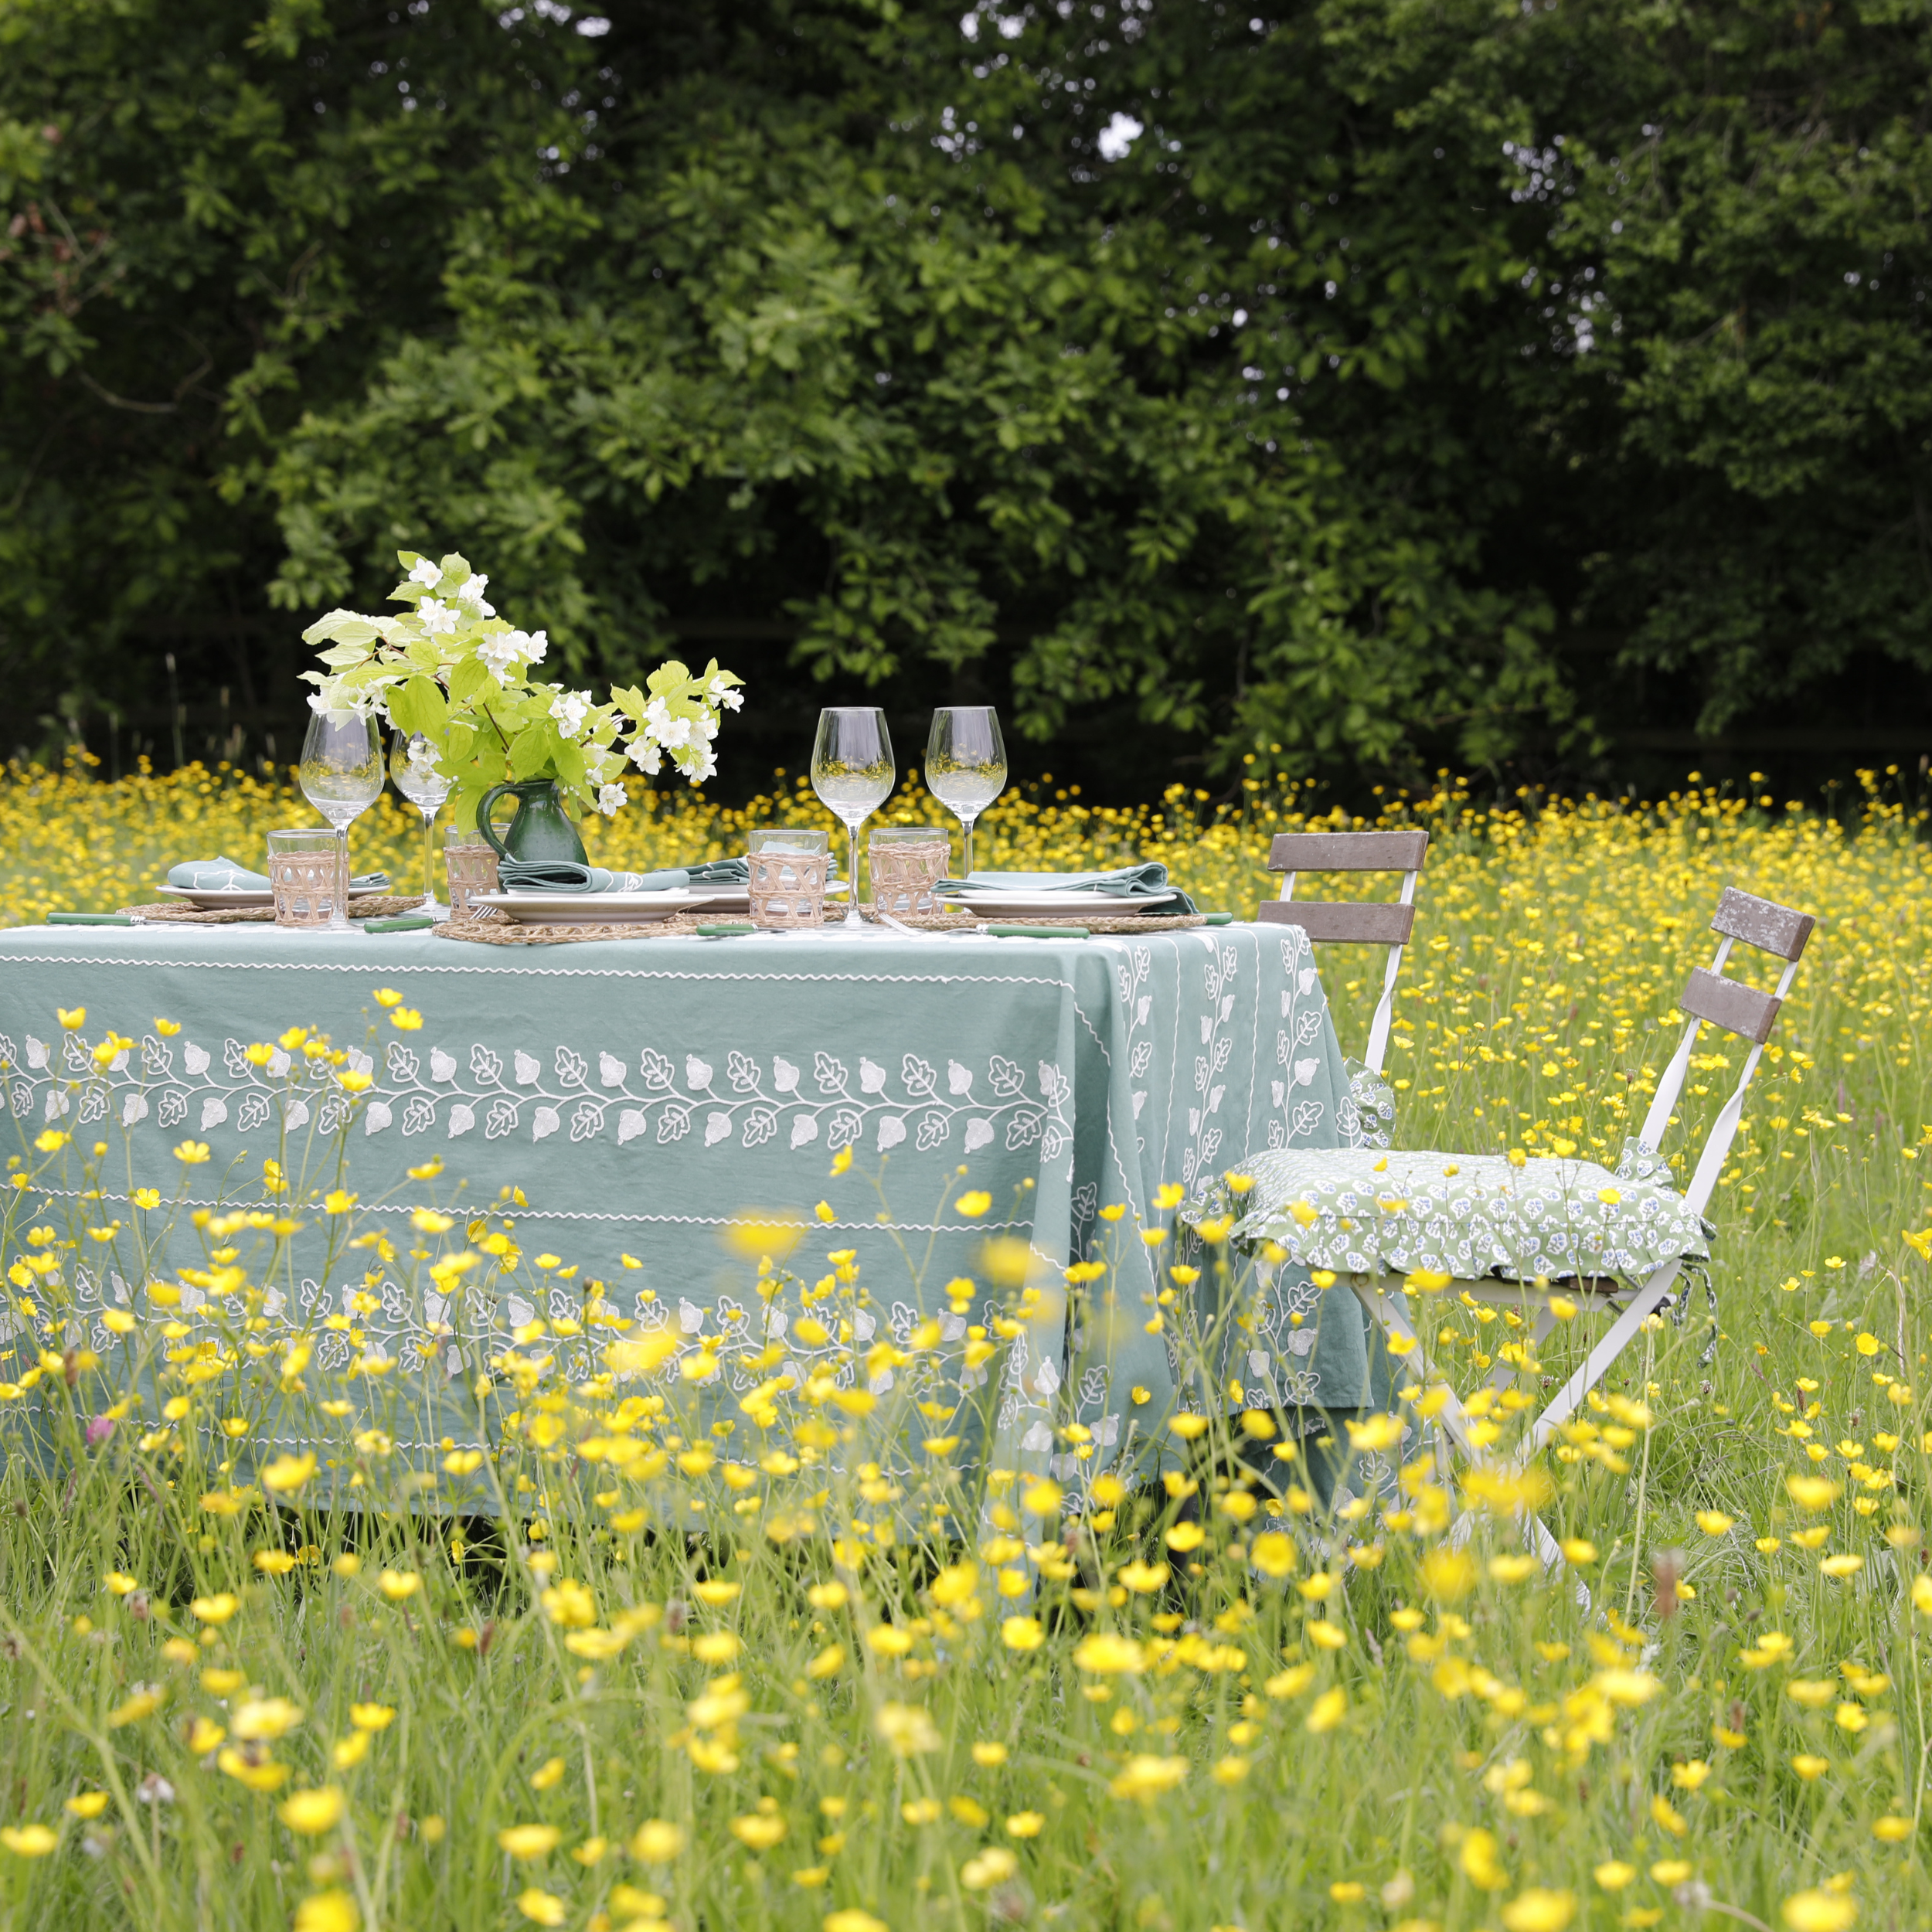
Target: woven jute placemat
[
  {"x": 508, "y": 932},
  {"x": 682, "y": 925},
  {"x": 172, "y": 912}
]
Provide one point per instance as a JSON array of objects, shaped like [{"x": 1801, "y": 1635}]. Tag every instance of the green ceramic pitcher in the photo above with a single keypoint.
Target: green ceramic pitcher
[{"x": 540, "y": 828}]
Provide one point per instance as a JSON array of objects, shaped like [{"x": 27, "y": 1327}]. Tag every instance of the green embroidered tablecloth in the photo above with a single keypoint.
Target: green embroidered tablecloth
[{"x": 643, "y": 1095}]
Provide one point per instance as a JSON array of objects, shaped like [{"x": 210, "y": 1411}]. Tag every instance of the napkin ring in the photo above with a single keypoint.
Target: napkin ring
[
  {"x": 472, "y": 871},
  {"x": 788, "y": 889}
]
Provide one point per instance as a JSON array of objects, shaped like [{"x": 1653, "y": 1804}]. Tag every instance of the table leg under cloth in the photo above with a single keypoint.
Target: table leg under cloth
[{"x": 644, "y": 1096}]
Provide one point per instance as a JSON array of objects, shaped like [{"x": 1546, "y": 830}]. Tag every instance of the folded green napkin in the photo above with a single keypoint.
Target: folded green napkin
[
  {"x": 566, "y": 876},
  {"x": 1147, "y": 881},
  {"x": 224, "y": 875}
]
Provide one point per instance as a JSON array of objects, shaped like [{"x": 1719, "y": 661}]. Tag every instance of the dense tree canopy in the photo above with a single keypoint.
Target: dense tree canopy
[{"x": 1374, "y": 380}]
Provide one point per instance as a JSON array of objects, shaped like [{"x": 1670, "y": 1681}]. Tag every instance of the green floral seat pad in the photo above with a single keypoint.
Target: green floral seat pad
[{"x": 1358, "y": 1212}]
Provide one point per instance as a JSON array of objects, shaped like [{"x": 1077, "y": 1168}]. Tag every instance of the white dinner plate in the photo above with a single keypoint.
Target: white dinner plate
[
  {"x": 1067, "y": 905},
  {"x": 212, "y": 901},
  {"x": 613, "y": 909}
]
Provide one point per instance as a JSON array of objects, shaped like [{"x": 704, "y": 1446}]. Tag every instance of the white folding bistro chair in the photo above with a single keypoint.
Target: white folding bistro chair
[
  {"x": 1511, "y": 1236},
  {"x": 1355, "y": 923}
]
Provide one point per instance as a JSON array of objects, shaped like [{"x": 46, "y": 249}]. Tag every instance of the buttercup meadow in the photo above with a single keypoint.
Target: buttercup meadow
[{"x": 597, "y": 1627}]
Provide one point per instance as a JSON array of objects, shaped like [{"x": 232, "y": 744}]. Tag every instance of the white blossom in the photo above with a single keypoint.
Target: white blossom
[
  {"x": 673, "y": 733},
  {"x": 719, "y": 692},
  {"x": 706, "y": 769},
  {"x": 507, "y": 649},
  {"x": 570, "y": 709},
  {"x": 645, "y": 755},
  {"x": 471, "y": 589},
  {"x": 439, "y": 619},
  {"x": 535, "y": 644},
  {"x": 425, "y": 573},
  {"x": 609, "y": 798}
]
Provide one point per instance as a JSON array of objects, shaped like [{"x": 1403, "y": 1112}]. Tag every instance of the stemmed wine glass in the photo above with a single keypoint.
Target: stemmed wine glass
[
  {"x": 966, "y": 765},
  {"x": 852, "y": 772},
  {"x": 412, "y": 764},
  {"x": 342, "y": 776}
]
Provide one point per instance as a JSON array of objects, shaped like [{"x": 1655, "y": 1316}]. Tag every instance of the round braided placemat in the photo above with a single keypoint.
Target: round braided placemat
[
  {"x": 682, "y": 925},
  {"x": 508, "y": 932},
  {"x": 172, "y": 912}
]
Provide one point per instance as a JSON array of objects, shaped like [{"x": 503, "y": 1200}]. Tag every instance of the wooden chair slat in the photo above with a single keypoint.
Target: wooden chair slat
[
  {"x": 1339, "y": 923},
  {"x": 1348, "y": 851},
  {"x": 1762, "y": 923},
  {"x": 1743, "y": 1010}
]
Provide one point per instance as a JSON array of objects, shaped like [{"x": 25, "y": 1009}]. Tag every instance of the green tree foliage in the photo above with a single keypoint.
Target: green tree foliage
[{"x": 1308, "y": 378}]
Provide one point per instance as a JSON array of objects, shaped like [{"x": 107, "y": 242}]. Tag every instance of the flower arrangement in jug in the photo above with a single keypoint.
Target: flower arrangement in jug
[{"x": 448, "y": 667}]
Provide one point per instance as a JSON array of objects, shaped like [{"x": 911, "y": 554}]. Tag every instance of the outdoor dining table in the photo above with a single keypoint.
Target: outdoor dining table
[{"x": 642, "y": 1097}]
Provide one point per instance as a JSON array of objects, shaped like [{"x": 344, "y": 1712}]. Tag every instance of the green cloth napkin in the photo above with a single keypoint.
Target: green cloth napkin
[
  {"x": 566, "y": 876},
  {"x": 224, "y": 875},
  {"x": 1147, "y": 881}
]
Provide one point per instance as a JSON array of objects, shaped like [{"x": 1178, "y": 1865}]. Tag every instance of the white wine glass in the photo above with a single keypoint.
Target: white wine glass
[
  {"x": 412, "y": 764},
  {"x": 341, "y": 775},
  {"x": 852, "y": 772},
  {"x": 966, "y": 767}
]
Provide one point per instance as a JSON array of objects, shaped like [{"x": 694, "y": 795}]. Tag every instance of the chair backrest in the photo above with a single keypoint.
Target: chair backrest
[
  {"x": 1711, "y": 999},
  {"x": 1352, "y": 922}
]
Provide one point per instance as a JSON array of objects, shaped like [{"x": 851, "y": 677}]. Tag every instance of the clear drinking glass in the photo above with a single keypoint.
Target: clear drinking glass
[
  {"x": 341, "y": 775},
  {"x": 412, "y": 764},
  {"x": 966, "y": 765},
  {"x": 852, "y": 772}
]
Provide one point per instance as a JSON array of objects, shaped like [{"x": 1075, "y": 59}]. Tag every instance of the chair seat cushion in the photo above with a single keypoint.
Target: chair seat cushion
[{"x": 1358, "y": 1212}]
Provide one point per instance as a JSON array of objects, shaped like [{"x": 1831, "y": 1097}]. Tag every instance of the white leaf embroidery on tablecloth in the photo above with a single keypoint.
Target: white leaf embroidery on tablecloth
[
  {"x": 195, "y": 1059},
  {"x": 959, "y": 1079},
  {"x": 529, "y": 1069},
  {"x": 375, "y": 1117},
  {"x": 546, "y": 1122},
  {"x": 784, "y": 1075},
  {"x": 462, "y": 1118},
  {"x": 442, "y": 1066}
]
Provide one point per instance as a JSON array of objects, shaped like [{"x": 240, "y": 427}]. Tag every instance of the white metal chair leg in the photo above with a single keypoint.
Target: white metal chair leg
[{"x": 1597, "y": 1363}]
